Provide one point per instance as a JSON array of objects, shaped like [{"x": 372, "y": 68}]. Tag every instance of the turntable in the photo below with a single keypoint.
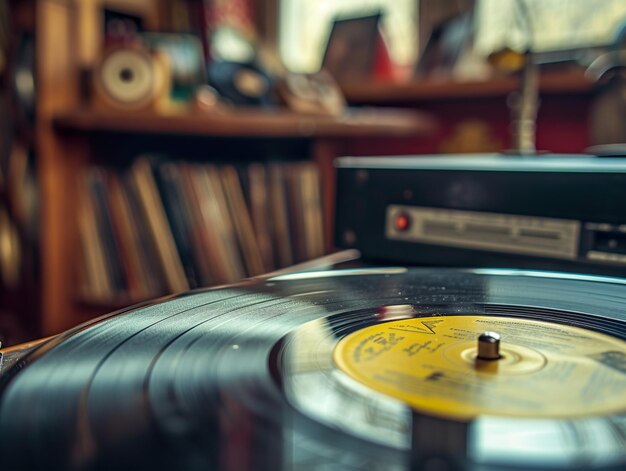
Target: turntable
[{"x": 367, "y": 368}]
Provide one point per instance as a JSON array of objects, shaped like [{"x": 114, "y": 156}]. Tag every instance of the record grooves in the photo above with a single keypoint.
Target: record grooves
[{"x": 249, "y": 377}]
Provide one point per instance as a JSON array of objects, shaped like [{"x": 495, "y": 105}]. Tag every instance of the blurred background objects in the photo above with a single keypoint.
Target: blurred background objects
[{"x": 152, "y": 146}]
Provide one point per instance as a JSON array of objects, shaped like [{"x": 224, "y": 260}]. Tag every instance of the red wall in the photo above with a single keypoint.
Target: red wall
[{"x": 561, "y": 125}]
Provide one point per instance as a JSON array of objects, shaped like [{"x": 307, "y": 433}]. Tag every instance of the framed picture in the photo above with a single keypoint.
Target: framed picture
[
  {"x": 351, "y": 48},
  {"x": 445, "y": 45}
]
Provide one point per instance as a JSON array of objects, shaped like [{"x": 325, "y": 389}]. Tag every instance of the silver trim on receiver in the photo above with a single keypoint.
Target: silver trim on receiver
[{"x": 529, "y": 235}]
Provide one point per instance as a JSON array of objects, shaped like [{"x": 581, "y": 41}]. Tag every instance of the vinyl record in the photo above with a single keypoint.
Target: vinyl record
[
  {"x": 380, "y": 368},
  {"x": 242, "y": 83}
]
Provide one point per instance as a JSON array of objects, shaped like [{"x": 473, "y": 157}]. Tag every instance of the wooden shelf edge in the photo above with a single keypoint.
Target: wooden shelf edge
[
  {"x": 552, "y": 82},
  {"x": 250, "y": 123}
]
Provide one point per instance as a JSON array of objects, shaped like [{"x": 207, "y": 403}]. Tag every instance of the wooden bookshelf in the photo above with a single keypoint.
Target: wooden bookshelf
[
  {"x": 69, "y": 138},
  {"x": 69, "y": 143},
  {"x": 562, "y": 81}
]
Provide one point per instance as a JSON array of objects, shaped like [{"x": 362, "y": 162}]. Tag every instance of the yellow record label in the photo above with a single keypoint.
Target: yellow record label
[{"x": 545, "y": 369}]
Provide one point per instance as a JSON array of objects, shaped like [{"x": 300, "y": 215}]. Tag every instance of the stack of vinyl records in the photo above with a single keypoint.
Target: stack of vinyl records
[{"x": 167, "y": 226}]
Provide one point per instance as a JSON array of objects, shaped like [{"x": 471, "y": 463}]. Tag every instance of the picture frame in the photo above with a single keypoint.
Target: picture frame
[
  {"x": 350, "y": 51},
  {"x": 445, "y": 46}
]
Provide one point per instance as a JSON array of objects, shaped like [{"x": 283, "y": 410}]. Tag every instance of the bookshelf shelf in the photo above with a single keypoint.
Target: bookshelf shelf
[
  {"x": 551, "y": 82},
  {"x": 251, "y": 123}
]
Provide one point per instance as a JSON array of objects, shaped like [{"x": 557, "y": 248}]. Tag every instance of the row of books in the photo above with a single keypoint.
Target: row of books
[{"x": 167, "y": 226}]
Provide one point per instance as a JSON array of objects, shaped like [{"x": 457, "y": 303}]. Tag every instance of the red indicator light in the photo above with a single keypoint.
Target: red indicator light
[{"x": 403, "y": 222}]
